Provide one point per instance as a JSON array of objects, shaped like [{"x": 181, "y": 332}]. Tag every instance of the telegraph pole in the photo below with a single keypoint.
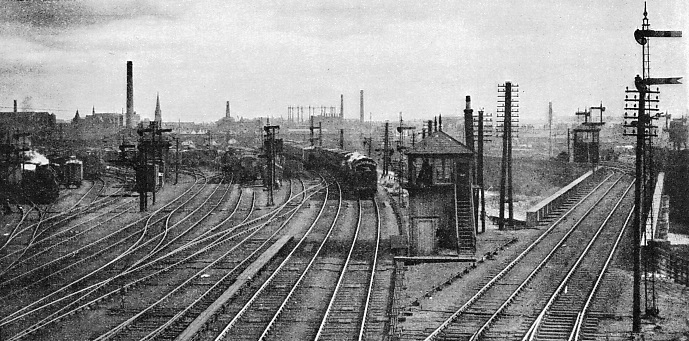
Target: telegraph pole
[
  {"x": 550, "y": 130},
  {"x": 386, "y": 146},
  {"x": 177, "y": 160},
  {"x": 509, "y": 110},
  {"x": 482, "y": 134},
  {"x": 640, "y": 123}
]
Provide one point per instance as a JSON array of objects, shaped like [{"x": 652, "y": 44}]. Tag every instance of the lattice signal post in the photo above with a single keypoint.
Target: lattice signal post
[
  {"x": 641, "y": 126},
  {"x": 272, "y": 147},
  {"x": 149, "y": 157},
  {"x": 508, "y": 125}
]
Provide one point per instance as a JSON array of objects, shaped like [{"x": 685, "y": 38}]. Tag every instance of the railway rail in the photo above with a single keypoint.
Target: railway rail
[
  {"x": 88, "y": 254},
  {"x": 152, "y": 321},
  {"x": 36, "y": 233},
  {"x": 348, "y": 309},
  {"x": 512, "y": 292},
  {"x": 258, "y": 314},
  {"x": 159, "y": 256}
]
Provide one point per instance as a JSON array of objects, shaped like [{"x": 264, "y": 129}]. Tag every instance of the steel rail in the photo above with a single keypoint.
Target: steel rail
[
  {"x": 373, "y": 272},
  {"x": 265, "y": 284},
  {"x": 280, "y": 309},
  {"x": 576, "y": 330},
  {"x": 533, "y": 273},
  {"x": 99, "y": 285},
  {"x": 533, "y": 329},
  {"x": 436, "y": 332},
  {"x": 22, "y": 312},
  {"x": 181, "y": 313}
]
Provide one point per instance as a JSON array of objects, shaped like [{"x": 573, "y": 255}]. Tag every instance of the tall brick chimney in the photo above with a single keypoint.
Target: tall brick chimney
[
  {"x": 15, "y": 105},
  {"x": 130, "y": 95},
  {"x": 469, "y": 124},
  {"x": 361, "y": 108}
]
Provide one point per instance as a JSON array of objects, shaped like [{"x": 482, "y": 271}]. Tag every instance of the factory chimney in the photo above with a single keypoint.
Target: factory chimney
[
  {"x": 227, "y": 110},
  {"x": 158, "y": 114},
  {"x": 130, "y": 96},
  {"x": 341, "y": 106},
  {"x": 361, "y": 107},
  {"x": 15, "y": 105},
  {"x": 469, "y": 124}
]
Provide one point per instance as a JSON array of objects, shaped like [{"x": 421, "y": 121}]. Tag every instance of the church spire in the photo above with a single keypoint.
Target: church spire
[{"x": 158, "y": 113}]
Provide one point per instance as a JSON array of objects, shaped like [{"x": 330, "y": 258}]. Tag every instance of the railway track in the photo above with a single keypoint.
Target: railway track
[
  {"x": 90, "y": 255},
  {"x": 503, "y": 307},
  {"x": 566, "y": 315},
  {"x": 33, "y": 236},
  {"x": 134, "y": 278},
  {"x": 166, "y": 317},
  {"x": 220, "y": 268},
  {"x": 259, "y": 311},
  {"x": 348, "y": 310}
]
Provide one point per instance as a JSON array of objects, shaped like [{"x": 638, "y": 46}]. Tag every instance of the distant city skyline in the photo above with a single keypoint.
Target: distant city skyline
[{"x": 419, "y": 58}]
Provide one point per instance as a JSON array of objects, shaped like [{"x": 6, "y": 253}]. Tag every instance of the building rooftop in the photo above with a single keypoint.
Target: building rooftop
[{"x": 439, "y": 142}]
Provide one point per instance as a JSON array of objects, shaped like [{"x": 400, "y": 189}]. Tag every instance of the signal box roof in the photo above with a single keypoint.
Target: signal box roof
[{"x": 440, "y": 143}]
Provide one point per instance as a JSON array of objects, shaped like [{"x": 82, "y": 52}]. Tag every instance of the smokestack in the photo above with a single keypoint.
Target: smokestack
[
  {"x": 469, "y": 124},
  {"x": 361, "y": 108},
  {"x": 227, "y": 110},
  {"x": 341, "y": 106},
  {"x": 130, "y": 95},
  {"x": 15, "y": 105}
]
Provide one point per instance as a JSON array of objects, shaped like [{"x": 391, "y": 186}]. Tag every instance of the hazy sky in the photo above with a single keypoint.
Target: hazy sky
[{"x": 418, "y": 57}]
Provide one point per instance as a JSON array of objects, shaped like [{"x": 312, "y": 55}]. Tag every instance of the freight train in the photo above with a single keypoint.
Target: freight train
[
  {"x": 357, "y": 172},
  {"x": 241, "y": 164},
  {"x": 246, "y": 165}
]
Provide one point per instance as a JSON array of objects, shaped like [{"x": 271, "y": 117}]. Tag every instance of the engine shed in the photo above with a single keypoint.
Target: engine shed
[{"x": 439, "y": 182}]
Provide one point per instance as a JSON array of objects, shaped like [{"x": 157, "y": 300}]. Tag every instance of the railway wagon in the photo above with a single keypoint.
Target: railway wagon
[
  {"x": 73, "y": 172},
  {"x": 357, "y": 172},
  {"x": 93, "y": 165},
  {"x": 241, "y": 164}
]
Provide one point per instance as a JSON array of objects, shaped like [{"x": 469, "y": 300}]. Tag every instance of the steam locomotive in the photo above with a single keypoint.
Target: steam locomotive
[
  {"x": 356, "y": 171},
  {"x": 38, "y": 184}
]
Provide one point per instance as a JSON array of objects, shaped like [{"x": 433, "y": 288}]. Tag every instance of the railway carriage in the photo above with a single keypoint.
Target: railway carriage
[
  {"x": 73, "y": 172},
  {"x": 357, "y": 172}
]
